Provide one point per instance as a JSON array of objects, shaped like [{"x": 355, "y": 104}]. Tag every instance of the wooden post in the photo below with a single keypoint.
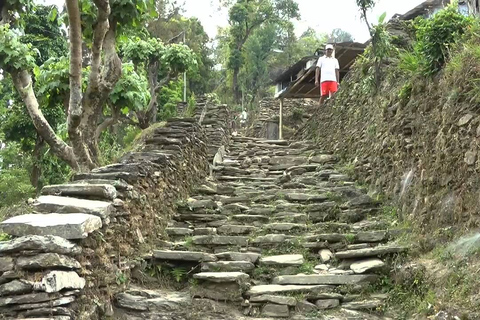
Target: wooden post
[{"x": 280, "y": 121}]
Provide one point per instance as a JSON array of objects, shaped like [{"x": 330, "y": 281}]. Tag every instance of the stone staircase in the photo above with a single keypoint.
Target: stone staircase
[{"x": 277, "y": 232}]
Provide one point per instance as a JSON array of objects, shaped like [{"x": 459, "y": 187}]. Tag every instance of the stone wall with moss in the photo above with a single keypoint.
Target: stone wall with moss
[{"x": 83, "y": 239}]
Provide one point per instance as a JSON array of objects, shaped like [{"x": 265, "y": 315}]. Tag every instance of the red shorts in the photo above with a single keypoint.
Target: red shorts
[{"x": 328, "y": 87}]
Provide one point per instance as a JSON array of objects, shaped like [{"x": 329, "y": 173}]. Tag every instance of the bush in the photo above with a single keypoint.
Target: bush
[{"x": 436, "y": 35}]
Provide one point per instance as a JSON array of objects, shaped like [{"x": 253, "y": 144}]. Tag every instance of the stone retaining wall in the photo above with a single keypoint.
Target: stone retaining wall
[
  {"x": 83, "y": 239},
  {"x": 264, "y": 124}
]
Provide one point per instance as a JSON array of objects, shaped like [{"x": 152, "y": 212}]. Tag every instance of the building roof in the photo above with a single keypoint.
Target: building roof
[
  {"x": 303, "y": 87},
  {"x": 421, "y": 9}
]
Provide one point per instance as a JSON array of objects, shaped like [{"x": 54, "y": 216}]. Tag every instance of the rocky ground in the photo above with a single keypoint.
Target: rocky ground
[{"x": 277, "y": 232}]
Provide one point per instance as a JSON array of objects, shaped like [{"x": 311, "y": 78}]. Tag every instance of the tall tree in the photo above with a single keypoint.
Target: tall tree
[
  {"x": 245, "y": 16},
  {"x": 339, "y": 35}
]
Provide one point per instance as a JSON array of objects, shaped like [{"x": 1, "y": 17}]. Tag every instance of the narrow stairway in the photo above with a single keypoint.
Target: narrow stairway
[{"x": 278, "y": 232}]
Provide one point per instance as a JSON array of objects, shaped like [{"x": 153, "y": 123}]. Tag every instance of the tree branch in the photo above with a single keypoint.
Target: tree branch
[
  {"x": 108, "y": 122},
  {"x": 23, "y": 84}
]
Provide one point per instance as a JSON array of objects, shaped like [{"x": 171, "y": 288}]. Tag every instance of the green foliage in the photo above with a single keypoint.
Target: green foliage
[
  {"x": 168, "y": 99},
  {"x": 436, "y": 35},
  {"x": 4, "y": 237},
  {"x": 131, "y": 91},
  {"x": 14, "y": 55}
]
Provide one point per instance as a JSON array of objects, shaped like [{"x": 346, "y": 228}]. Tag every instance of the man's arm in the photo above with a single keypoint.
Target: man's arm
[
  {"x": 317, "y": 76},
  {"x": 337, "y": 72}
]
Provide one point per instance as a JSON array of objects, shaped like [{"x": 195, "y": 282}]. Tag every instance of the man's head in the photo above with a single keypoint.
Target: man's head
[{"x": 329, "y": 50}]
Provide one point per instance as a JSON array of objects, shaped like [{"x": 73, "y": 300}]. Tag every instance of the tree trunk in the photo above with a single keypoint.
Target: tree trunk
[
  {"x": 37, "y": 168},
  {"x": 236, "y": 90},
  {"x": 23, "y": 84}
]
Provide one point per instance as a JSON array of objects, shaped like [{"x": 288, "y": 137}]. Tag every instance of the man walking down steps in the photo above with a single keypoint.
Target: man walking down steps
[{"x": 327, "y": 74}]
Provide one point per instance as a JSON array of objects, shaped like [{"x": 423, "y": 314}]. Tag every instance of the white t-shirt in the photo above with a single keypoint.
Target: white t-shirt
[{"x": 327, "y": 68}]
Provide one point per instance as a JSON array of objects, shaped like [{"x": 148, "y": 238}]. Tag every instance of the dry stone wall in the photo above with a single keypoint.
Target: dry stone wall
[
  {"x": 264, "y": 124},
  {"x": 83, "y": 238}
]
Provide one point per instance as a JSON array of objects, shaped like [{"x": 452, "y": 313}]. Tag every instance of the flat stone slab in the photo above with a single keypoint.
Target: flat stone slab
[
  {"x": 237, "y": 256},
  {"x": 102, "y": 191},
  {"x": 228, "y": 266},
  {"x": 184, "y": 256},
  {"x": 270, "y": 239},
  {"x": 16, "y": 287},
  {"x": 289, "y": 301},
  {"x": 220, "y": 240},
  {"x": 366, "y": 265},
  {"x": 275, "y": 310},
  {"x": 301, "y": 197},
  {"x": 283, "y": 260},
  {"x": 47, "y": 261},
  {"x": 37, "y": 244},
  {"x": 56, "y": 281},
  {"x": 285, "y": 226},
  {"x": 279, "y": 289},
  {"x": 148, "y": 300},
  {"x": 68, "y": 226},
  {"x": 325, "y": 304},
  {"x": 363, "y": 305},
  {"x": 221, "y": 277},
  {"x": 233, "y": 229},
  {"x": 324, "y": 279},
  {"x": 49, "y": 204},
  {"x": 375, "y": 251}
]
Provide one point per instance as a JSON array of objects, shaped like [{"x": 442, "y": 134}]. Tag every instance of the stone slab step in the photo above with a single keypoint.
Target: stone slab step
[
  {"x": 227, "y": 266},
  {"x": 283, "y": 260},
  {"x": 285, "y": 227},
  {"x": 360, "y": 237},
  {"x": 235, "y": 229},
  {"x": 363, "y": 266},
  {"x": 282, "y": 300},
  {"x": 179, "y": 232},
  {"x": 238, "y": 256},
  {"x": 370, "y": 252},
  {"x": 324, "y": 279},
  {"x": 68, "y": 226},
  {"x": 221, "y": 277},
  {"x": 184, "y": 256},
  {"x": 118, "y": 184},
  {"x": 56, "y": 204},
  {"x": 102, "y": 191},
  {"x": 212, "y": 240},
  {"x": 281, "y": 289},
  {"x": 245, "y": 178},
  {"x": 303, "y": 197}
]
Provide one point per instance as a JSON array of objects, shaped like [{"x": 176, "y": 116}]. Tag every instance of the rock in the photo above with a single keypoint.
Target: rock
[
  {"x": 39, "y": 244},
  {"x": 225, "y": 291},
  {"x": 204, "y": 231},
  {"x": 31, "y": 298},
  {"x": 221, "y": 277},
  {"x": 178, "y": 231},
  {"x": 220, "y": 240},
  {"x": 6, "y": 264},
  {"x": 327, "y": 304},
  {"x": 465, "y": 120},
  {"x": 283, "y": 260},
  {"x": 250, "y": 218},
  {"x": 321, "y": 267},
  {"x": 47, "y": 261},
  {"x": 15, "y": 287},
  {"x": 363, "y": 305},
  {"x": 207, "y": 204},
  {"x": 102, "y": 191},
  {"x": 48, "y": 204},
  {"x": 285, "y": 226},
  {"x": 228, "y": 266},
  {"x": 144, "y": 300},
  {"x": 301, "y": 197},
  {"x": 183, "y": 256},
  {"x": 48, "y": 312},
  {"x": 289, "y": 301},
  {"x": 324, "y": 279},
  {"x": 236, "y": 256},
  {"x": 279, "y": 289},
  {"x": 56, "y": 281},
  {"x": 9, "y": 276},
  {"x": 366, "y": 265},
  {"x": 323, "y": 159},
  {"x": 270, "y": 239},
  {"x": 233, "y": 229},
  {"x": 325, "y": 255},
  {"x": 68, "y": 226},
  {"x": 275, "y": 310},
  {"x": 375, "y": 251},
  {"x": 371, "y": 236},
  {"x": 306, "y": 307},
  {"x": 470, "y": 158}
]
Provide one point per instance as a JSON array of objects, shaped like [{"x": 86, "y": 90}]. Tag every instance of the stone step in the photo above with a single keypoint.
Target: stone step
[
  {"x": 99, "y": 191},
  {"x": 212, "y": 240},
  {"x": 228, "y": 266},
  {"x": 285, "y": 227},
  {"x": 235, "y": 229},
  {"x": 220, "y": 277},
  {"x": 68, "y": 226},
  {"x": 56, "y": 204},
  {"x": 370, "y": 252},
  {"x": 292, "y": 289},
  {"x": 191, "y": 256},
  {"x": 324, "y": 279},
  {"x": 283, "y": 260},
  {"x": 118, "y": 184},
  {"x": 245, "y": 178},
  {"x": 239, "y": 256},
  {"x": 359, "y": 237}
]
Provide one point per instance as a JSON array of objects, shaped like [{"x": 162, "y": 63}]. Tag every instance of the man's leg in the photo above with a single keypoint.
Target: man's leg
[{"x": 323, "y": 98}]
